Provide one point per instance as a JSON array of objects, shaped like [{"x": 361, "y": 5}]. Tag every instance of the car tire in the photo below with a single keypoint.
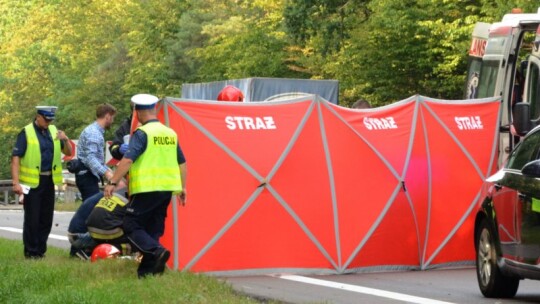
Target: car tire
[{"x": 492, "y": 282}]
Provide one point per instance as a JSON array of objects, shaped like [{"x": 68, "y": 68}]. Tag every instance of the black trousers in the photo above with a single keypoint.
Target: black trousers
[
  {"x": 87, "y": 183},
  {"x": 144, "y": 224},
  {"x": 38, "y": 217}
]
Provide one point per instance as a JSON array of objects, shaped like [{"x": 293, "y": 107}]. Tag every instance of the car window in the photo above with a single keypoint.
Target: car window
[
  {"x": 533, "y": 94},
  {"x": 525, "y": 152}
]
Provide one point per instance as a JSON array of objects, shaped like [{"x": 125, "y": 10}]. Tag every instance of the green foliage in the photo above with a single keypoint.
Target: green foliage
[
  {"x": 329, "y": 22},
  {"x": 77, "y": 54},
  {"x": 233, "y": 39},
  {"x": 61, "y": 279}
]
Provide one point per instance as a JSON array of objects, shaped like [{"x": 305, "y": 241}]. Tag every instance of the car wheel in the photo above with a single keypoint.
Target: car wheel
[{"x": 492, "y": 282}]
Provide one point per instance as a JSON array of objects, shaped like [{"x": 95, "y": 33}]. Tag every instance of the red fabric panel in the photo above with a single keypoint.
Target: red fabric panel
[
  {"x": 417, "y": 183},
  {"x": 264, "y": 237},
  {"x": 135, "y": 120},
  {"x": 394, "y": 242},
  {"x": 217, "y": 187},
  {"x": 244, "y": 140},
  {"x": 302, "y": 181},
  {"x": 363, "y": 182},
  {"x": 210, "y": 189},
  {"x": 455, "y": 181},
  {"x": 366, "y": 152},
  {"x": 387, "y": 129},
  {"x": 404, "y": 225},
  {"x": 472, "y": 124}
]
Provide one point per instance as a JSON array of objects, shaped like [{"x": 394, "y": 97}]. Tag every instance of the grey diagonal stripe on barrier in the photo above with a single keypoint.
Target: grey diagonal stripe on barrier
[
  {"x": 414, "y": 122},
  {"x": 471, "y": 207},
  {"x": 377, "y": 153},
  {"x": 425, "y": 263},
  {"x": 453, "y": 231},
  {"x": 176, "y": 263},
  {"x": 300, "y": 223},
  {"x": 429, "y": 189},
  {"x": 451, "y": 134},
  {"x": 410, "y": 146},
  {"x": 293, "y": 140},
  {"x": 258, "y": 190},
  {"x": 415, "y": 219},
  {"x": 474, "y": 201},
  {"x": 218, "y": 143},
  {"x": 391, "y": 169},
  {"x": 242, "y": 163},
  {"x": 331, "y": 180},
  {"x": 388, "y": 204},
  {"x": 224, "y": 229},
  {"x": 176, "y": 242},
  {"x": 374, "y": 226},
  {"x": 276, "y": 195}
]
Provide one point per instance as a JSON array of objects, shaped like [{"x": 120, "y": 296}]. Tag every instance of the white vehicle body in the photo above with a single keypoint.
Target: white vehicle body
[{"x": 504, "y": 61}]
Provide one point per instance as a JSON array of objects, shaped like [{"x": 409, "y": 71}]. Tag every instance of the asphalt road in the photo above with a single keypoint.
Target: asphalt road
[{"x": 433, "y": 286}]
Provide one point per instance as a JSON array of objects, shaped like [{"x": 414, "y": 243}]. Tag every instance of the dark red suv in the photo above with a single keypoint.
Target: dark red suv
[{"x": 507, "y": 227}]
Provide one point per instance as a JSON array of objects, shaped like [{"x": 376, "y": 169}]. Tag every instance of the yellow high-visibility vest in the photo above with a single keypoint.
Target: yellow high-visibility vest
[
  {"x": 157, "y": 168},
  {"x": 535, "y": 205},
  {"x": 31, "y": 161}
]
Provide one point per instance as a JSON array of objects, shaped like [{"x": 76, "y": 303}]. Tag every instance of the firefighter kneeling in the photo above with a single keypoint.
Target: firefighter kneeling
[{"x": 104, "y": 224}]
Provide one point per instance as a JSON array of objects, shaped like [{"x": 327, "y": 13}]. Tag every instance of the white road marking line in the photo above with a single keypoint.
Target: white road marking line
[
  {"x": 52, "y": 236},
  {"x": 364, "y": 290}
]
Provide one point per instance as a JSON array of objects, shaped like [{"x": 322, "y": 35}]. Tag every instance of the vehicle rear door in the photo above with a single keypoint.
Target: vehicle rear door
[{"x": 520, "y": 195}]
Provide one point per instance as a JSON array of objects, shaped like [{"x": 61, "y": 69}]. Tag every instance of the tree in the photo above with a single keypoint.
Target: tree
[
  {"x": 329, "y": 22},
  {"x": 233, "y": 39},
  {"x": 78, "y": 54}
]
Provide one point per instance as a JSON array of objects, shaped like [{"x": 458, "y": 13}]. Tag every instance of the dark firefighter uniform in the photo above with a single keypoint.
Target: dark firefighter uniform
[{"x": 105, "y": 222}]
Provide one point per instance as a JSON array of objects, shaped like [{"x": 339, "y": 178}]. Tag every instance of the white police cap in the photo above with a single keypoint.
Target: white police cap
[
  {"x": 144, "y": 101},
  {"x": 47, "y": 111}
]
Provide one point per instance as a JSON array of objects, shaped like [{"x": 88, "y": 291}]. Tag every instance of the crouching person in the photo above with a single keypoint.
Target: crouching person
[
  {"x": 105, "y": 223},
  {"x": 81, "y": 242}
]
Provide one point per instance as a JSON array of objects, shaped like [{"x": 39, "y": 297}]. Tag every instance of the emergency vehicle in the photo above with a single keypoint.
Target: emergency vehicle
[{"x": 504, "y": 60}]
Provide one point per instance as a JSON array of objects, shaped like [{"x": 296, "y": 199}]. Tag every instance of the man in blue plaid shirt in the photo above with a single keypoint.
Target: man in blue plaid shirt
[{"x": 91, "y": 152}]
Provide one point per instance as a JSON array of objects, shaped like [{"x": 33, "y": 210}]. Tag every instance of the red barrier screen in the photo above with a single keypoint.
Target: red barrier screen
[{"x": 305, "y": 186}]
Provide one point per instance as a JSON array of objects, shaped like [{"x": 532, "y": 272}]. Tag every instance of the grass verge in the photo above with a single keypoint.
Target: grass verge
[{"x": 60, "y": 279}]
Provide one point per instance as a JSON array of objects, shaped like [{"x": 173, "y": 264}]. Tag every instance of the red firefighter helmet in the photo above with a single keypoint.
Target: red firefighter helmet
[
  {"x": 104, "y": 251},
  {"x": 230, "y": 93}
]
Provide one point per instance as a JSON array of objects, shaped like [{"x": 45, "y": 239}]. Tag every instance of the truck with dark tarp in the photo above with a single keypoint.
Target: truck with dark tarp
[{"x": 257, "y": 89}]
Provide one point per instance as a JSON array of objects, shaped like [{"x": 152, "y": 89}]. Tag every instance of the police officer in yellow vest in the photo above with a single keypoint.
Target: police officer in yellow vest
[
  {"x": 157, "y": 170},
  {"x": 36, "y": 166}
]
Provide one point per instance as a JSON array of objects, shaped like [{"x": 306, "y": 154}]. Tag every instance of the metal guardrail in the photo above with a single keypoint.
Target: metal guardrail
[
  {"x": 68, "y": 191},
  {"x": 5, "y": 186}
]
